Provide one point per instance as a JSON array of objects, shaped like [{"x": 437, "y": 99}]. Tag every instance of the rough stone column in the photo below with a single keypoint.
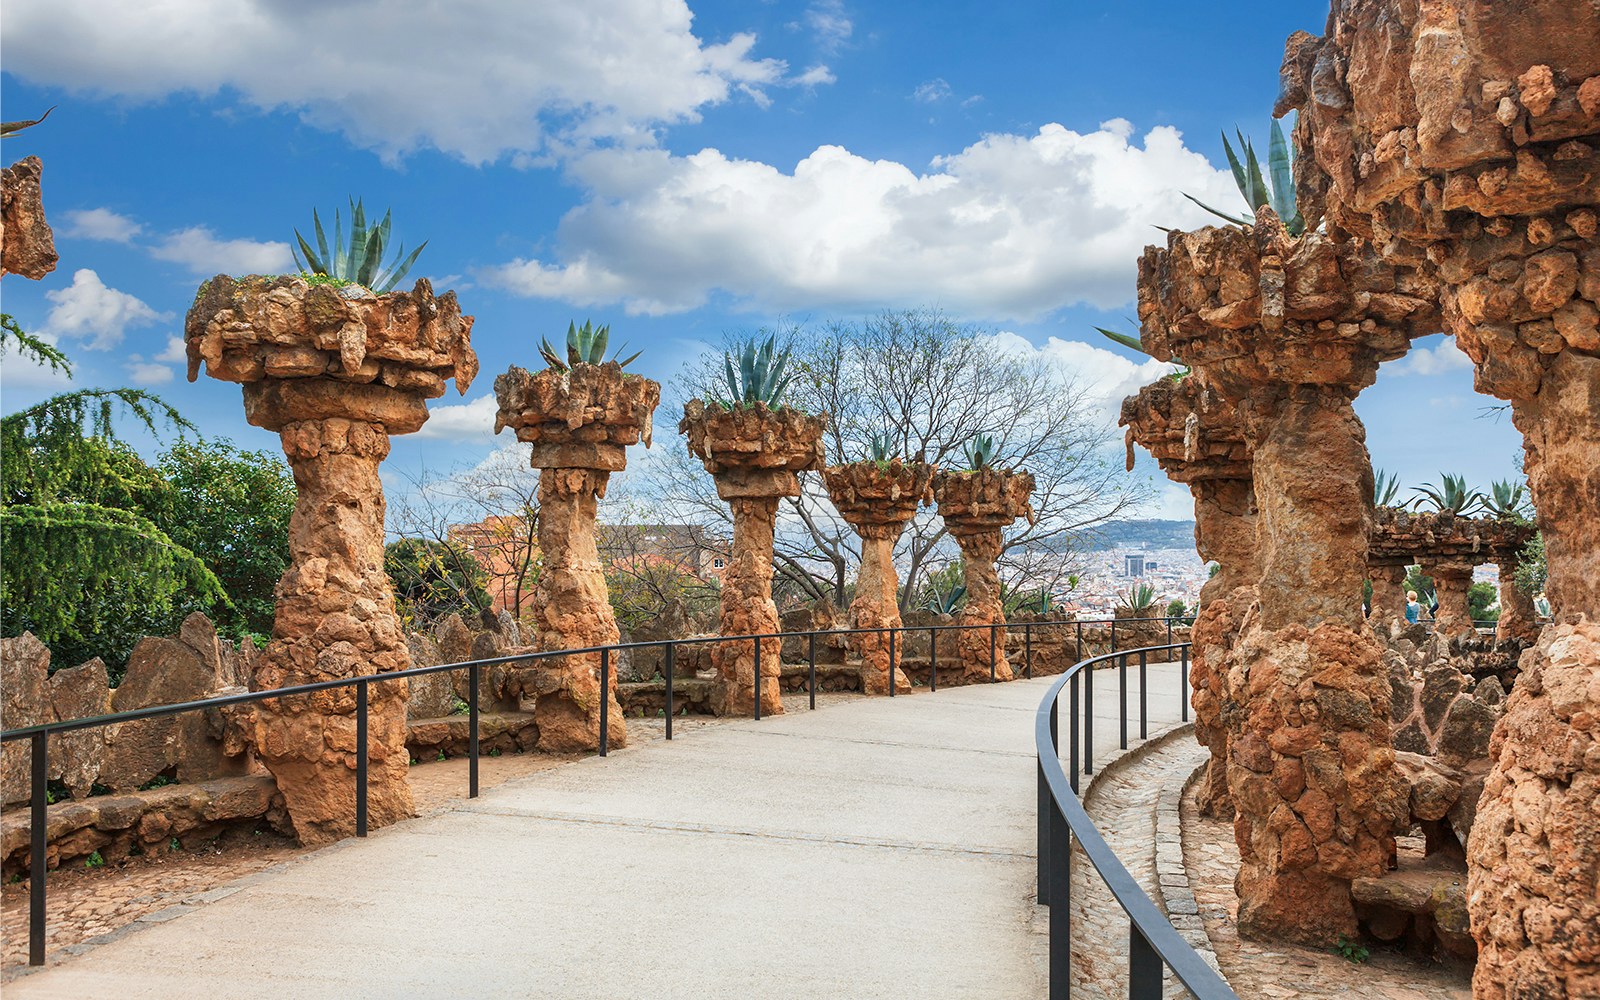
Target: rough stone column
[
  {"x": 1469, "y": 134},
  {"x": 1452, "y": 583},
  {"x": 977, "y": 506},
  {"x": 878, "y": 501},
  {"x": 1295, "y": 327},
  {"x": 580, "y": 421},
  {"x": 1196, "y": 433},
  {"x": 755, "y": 454},
  {"x": 1518, "y": 618},
  {"x": 334, "y": 372},
  {"x": 1388, "y": 592},
  {"x": 27, "y": 245}
]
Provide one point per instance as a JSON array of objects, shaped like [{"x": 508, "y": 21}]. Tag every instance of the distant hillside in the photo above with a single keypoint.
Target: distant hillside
[{"x": 1148, "y": 534}]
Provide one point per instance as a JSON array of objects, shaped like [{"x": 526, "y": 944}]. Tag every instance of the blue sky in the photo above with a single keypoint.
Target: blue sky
[{"x": 678, "y": 170}]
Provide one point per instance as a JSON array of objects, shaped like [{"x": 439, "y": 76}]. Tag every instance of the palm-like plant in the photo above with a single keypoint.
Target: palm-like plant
[
  {"x": 362, "y": 262},
  {"x": 1386, "y": 488},
  {"x": 586, "y": 345},
  {"x": 944, "y": 602},
  {"x": 880, "y": 448},
  {"x": 1280, "y": 196},
  {"x": 1140, "y": 598},
  {"x": 758, "y": 377},
  {"x": 1505, "y": 501},
  {"x": 979, "y": 452},
  {"x": 1451, "y": 496}
]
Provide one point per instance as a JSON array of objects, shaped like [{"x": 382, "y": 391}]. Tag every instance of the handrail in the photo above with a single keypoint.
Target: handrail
[
  {"x": 39, "y": 735},
  {"x": 1153, "y": 941}
]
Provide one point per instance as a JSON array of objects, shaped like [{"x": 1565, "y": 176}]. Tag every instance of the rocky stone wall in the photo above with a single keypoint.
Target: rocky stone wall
[{"x": 977, "y": 506}]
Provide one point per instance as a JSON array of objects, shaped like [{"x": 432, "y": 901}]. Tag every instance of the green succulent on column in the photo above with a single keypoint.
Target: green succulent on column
[
  {"x": 1505, "y": 501},
  {"x": 1451, "y": 496},
  {"x": 1386, "y": 488},
  {"x": 880, "y": 448},
  {"x": 980, "y": 452},
  {"x": 586, "y": 345},
  {"x": 362, "y": 262},
  {"x": 1279, "y": 196},
  {"x": 758, "y": 376}
]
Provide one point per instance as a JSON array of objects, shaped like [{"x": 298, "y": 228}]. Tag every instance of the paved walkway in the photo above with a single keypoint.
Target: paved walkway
[{"x": 879, "y": 848}]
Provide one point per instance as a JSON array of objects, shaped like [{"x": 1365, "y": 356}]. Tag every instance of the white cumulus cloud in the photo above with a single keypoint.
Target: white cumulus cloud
[
  {"x": 476, "y": 78},
  {"x": 1440, "y": 359},
  {"x": 101, "y": 224},
  {"x": 174, "y": 353},
  {"x": 204, "y": 253},
  {"x": 472, "y": 420},
  {"x": 1012, "y": 227},
  {"x": 147, "y": 372},
  {"x": 89, "y": 311}
]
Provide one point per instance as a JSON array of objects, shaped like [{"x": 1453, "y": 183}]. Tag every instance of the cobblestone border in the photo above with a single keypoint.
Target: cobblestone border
[{"x": 1172, "y": 875}]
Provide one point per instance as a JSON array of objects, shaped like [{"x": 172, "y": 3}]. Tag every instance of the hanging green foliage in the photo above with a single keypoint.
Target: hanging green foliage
[{"x": 75, "y": 570}]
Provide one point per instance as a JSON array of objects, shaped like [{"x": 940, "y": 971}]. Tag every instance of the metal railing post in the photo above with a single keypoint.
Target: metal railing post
[
  {"x": 992, "y": 677},
  {"x": 672, "y": 668},
  {"x": 40, "y": 819},
  {"x": 472, "y": 731},
  {"x": 891, "y": 663},
  {"x": 1046, "y": 804},
  {"x": 1072, "y": 731},
  {"x": 933, "y": 659},
  {"x": 1027, "y": 650},
  {"x": 1183, "y": 687},
  {"x": 1144, "y": 967},
  {"x": 1088, "y": 720},
  {"x": 758, "y": 678},
  {"x": 1113, "y": 648},
  {"x": 605, "y": 700},
  {"x": 361, "y": 758},
  {"x": 1122, "y": 697},
  {"x": 1060, "y": 914},
  {"x": 1169, "y": 638},
  {"x": 1144, "y": 679},
  {"x": 1079, "y": 650},
  {"x": 811, "y": 659}
]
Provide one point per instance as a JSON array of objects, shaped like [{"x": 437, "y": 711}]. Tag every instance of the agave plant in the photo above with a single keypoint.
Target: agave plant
[
  {"x": 1505, "y": 501},
  {"x": 1253, "y": 186},
  {"x": 979, "y": 452},
  {"x": 1133, "y": 343},
  {"x": 362, "y": 262},
  {"x": 585, "y": 346},
  {"x": 1451, "y": 496},
  {"x": 11, "y": 128},
  {"x": 944, "y": 602},
  {"x": 758, "y": 377},
  {"x": 1140, "y": 598},
  {"x": 880, "y": 448},
  {"x": 1386, "y": 488}
]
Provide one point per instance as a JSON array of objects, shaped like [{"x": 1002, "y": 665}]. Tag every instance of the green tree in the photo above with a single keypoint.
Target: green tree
[
  {"x": 433, "y": 579},
  {"x": 1483, "y": 601},
  {"x": 1177, "y": 609},
  {"x": 85, "y": 568},
  {"x": 231, "y": 508}
]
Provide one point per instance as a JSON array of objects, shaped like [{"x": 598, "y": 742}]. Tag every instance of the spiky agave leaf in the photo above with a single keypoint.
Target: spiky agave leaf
[
  {"x": 550, "y": 356},
  {"x": 1281, "y": 164},
  {"x": 1132, "y": 343},
  {"x": 1386, "y": 487}
]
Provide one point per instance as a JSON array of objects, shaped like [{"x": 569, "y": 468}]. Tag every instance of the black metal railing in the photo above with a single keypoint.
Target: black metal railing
[
  {"x": 39, "y": 736},
  {"x": 1153, "y": 943}
]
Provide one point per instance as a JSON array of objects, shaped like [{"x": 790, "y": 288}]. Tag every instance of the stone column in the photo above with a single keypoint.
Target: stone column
[
  {"x": 1196, "y": 433},
  {"x": 878, "y": 501},
  {"x": 1295, "y": 327},
  {"x": 580, "y": 420},
  {"x": 1518, "y": 620},
  {"x": 755, "y": 454},
  {"x": 977, "y": 506},
  {"x": 1467, "y": 134},
  {"x": 1452, "y": 582},
  {"x": 334, "y": 372},
  {"x": 1388, "y": 593}
]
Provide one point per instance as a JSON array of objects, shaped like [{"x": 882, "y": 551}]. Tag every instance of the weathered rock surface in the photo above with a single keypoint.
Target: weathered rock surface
[
  {"x": 580, "y": 423},
  {"x": 878, "y": 501},
  {"x": 755, "y": 455},
  {"x": 977, "y": 506},
  {"x": 334, "y": 372},
  {"x": 1215, "y": 631},
  {"x": 190, "y": 747},
  {"x": 1534, "y": 853},
  {"x": 27, "y": 245}
]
